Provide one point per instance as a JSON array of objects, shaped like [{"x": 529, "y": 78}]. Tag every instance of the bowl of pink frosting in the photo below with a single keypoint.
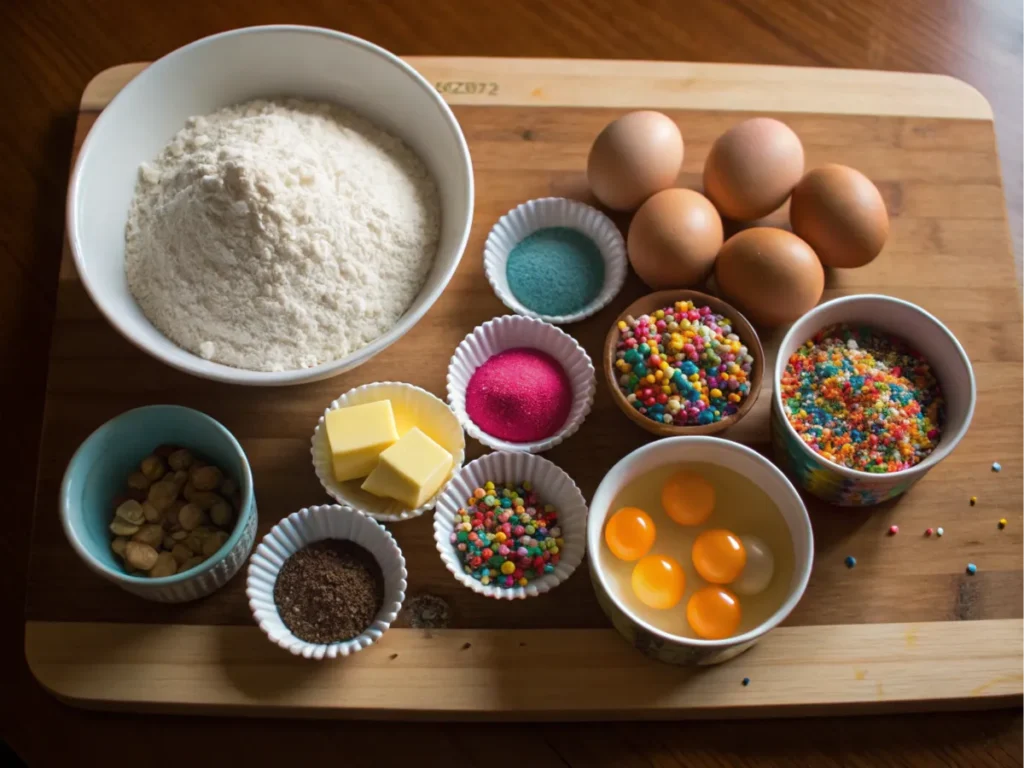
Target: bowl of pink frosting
[{"x": 519, "y": 384}]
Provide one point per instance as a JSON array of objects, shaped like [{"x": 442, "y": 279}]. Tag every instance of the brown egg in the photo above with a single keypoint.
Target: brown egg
[
  {"x": 674, "y": 239},
  {"x": 770, "y": 274},
  {"x": 841, "y": 215},
  {"x": 752, "y": 168},
  {"x": 634, "y": 157}
]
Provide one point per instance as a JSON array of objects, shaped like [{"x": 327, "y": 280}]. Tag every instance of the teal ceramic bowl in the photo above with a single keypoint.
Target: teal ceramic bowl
[{"x": 97, "y": 474}]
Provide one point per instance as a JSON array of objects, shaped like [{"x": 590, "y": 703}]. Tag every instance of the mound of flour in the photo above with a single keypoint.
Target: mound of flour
[{"x": 279, "y": 235}]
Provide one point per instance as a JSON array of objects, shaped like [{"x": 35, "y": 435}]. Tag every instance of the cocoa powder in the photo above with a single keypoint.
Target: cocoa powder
[{"x": 329, "y": 591}]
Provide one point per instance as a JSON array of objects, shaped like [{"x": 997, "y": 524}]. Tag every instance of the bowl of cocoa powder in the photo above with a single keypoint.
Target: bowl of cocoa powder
[{"x": 326, "y": 581}]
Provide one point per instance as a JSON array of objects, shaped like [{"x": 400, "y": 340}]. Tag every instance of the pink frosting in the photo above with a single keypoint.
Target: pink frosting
[{"x": 519, "y": 395}]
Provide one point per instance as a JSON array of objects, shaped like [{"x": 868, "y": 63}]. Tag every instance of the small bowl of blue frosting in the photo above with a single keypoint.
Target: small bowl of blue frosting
[{"x": 555, "y": 259}]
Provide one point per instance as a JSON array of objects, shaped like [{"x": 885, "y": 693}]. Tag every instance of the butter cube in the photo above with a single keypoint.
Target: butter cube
[
  {"x": 411, "y": 470},
  {"x": 357, "y": 435}
]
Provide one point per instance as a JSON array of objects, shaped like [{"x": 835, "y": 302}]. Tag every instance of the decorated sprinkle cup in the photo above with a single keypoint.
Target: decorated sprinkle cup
[
  {"x": 413, "y": 407},
  {"x": 589, "y": 251},
  {"x": 923, "y": 333},
  {"x": 514, "y": 332},
  {"x": 307, "y": 526},
  {"x": 719, "y": 396},
  {"x": 553, "y": 488}
]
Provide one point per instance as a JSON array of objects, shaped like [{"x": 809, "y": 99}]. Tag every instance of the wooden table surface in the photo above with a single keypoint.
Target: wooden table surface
[{"x": 47, "y": 54}]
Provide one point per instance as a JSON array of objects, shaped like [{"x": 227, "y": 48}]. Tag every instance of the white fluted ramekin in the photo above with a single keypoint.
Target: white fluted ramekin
[
  {"x": 305, "y": 527},
  {"x": 552, "y": 486},
  {"x": 413, "y": 407},
  {"x": 533, "y": 215},
  {"x": 512, "y": 332}
]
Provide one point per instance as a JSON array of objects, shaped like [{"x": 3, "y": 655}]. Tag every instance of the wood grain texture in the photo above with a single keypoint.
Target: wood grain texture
[
  {"x": 74, "y": 659},
  {"x": 687, "y": 85},
  {"x": 444, "y": 674},
  {"x": 524, "y": 152},
  {"x": 50, "y": 49}
]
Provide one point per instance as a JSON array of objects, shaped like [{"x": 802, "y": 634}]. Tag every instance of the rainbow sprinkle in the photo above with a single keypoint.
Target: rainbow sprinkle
[
  {"x": 682, "y": 365},
  {"x": 863, "y": 400},
  {"x": 505, "y": 536}
]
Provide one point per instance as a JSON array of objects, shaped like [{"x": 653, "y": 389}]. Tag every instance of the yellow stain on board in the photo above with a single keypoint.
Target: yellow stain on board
[
  {"x": 859, "y": 674},
  {"x": 910, "y": 637},
  {"x": 879, "y": 690},
  {"x": 996, "y": 681},
  {"x": 537, "y": 93}
]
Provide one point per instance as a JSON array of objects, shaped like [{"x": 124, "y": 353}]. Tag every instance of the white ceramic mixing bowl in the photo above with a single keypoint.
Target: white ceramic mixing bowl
[{"x": 233, "y": 67}]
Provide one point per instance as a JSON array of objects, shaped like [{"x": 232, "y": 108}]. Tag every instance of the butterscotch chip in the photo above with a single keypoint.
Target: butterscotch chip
[
  {"x": 202, "y": 499},
  {"x": 162, "y": 494},
  {"x": 221, "y": 514},
  {"x": 214, "y": 542},
  {"x": 120, "y": 527},
  {"x": 151, "y": 513},
  {"x": 180, "y": 459},
  {"x": 151, "y": 534},
  {"x": 139, "y": 555},
  {"x": 153, "y": 468},
  {"x": 190, "y": 516},
  {"x": 131, "y": 512},
  {"x": 165, "y": 566},
  {"x": 205, "y": 478},
  {"x": 180, "y": 553}
]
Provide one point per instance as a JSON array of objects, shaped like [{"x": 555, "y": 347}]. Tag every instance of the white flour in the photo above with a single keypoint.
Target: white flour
[{"x": 280, "y": 235}]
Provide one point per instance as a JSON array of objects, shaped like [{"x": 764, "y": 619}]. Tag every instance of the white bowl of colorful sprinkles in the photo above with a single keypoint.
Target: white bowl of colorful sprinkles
[
  {"x": 516, "y": 332},
  {"x": 308, "y": 526},
  {"x": 515, "y": 254},
  {"x": 413, "y": 407},
  {"x": 552, "y": 487}
]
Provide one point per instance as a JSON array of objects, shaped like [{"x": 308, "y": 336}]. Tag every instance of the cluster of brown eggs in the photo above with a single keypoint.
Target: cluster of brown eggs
[{"x": 676, "y": 237}]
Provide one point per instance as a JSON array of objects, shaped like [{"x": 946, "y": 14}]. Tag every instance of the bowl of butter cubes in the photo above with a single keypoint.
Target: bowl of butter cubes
[{"x": 388, "y": 449}]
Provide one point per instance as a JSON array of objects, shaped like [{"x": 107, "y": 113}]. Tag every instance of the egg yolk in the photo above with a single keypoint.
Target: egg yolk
[
  {"x": 719, "y": 556},
  {"x": 713, "y": 613},
  {"x": 658, "y": 581},
  {"x": 629, "y": 533},
  {"x": 688, "y": 498}
]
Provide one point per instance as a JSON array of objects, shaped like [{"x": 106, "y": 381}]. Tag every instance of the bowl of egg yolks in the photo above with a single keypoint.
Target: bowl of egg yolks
[{"x": 697, "y": 546}]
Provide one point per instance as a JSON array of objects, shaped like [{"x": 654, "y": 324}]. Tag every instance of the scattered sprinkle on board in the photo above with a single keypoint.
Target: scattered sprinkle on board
[
  {"x": 939, "y": 531},
  {"x": 893, "y": 530},
  {"x": 974, "y": 500},
  {"x": 1002, "y": 523},
  {"x": 746, "y": 681},
  {"x": 850, "y": 561},
  {"x": 928, "y": 531},
  {"x": 972, "y": 569},
  {"x": 996, "y": 466}
]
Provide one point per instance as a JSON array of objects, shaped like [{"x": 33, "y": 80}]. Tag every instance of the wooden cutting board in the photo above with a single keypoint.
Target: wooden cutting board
[{"x": 907, "y": 629}]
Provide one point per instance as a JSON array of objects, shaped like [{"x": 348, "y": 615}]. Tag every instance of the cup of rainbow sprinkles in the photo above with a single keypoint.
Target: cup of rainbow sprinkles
[{"x": 871, "y": 393}]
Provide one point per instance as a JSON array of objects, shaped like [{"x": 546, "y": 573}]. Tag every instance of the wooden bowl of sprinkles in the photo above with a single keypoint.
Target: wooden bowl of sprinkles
[{"x": 659, "y": 300}]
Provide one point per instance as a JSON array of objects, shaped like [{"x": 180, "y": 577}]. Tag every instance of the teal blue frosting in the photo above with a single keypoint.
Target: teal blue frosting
[{"x": 555, "y": 271}]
